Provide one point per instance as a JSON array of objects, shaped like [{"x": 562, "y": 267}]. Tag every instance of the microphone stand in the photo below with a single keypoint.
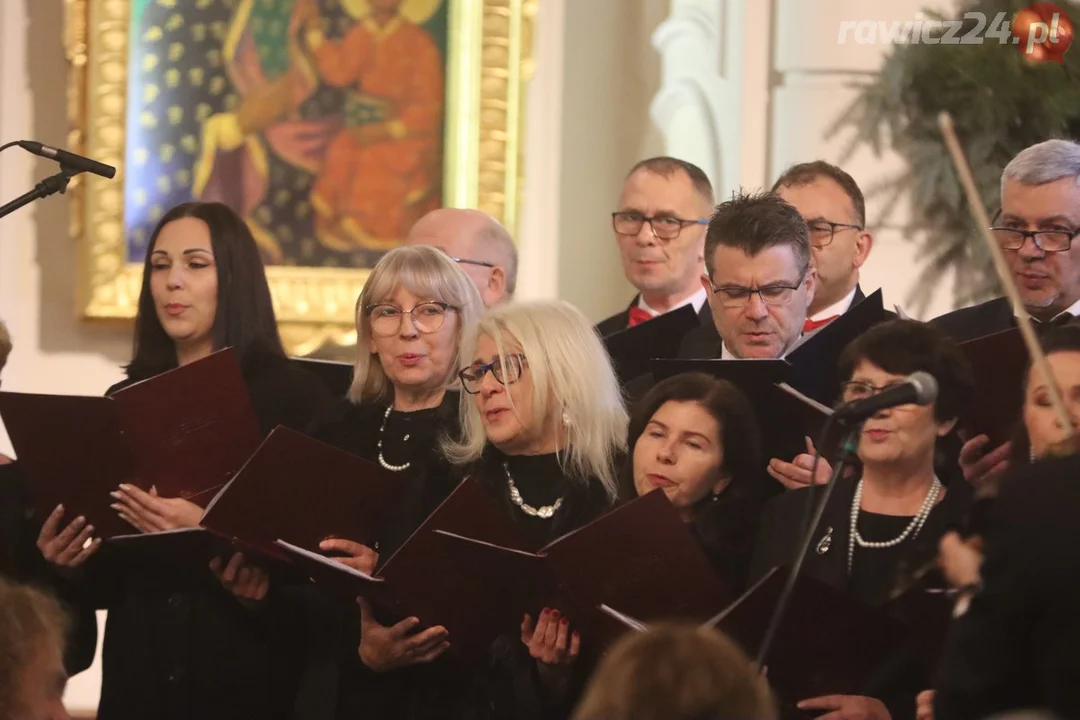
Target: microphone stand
[
  {"x": 849, "y": 446},
  {"x": 53, "y": 184}
]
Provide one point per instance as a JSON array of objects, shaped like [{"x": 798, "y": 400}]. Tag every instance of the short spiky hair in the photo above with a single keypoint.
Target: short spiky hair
[
  {"x": 667, "y": 166},
  {"x": 754, "y": 222},
  {"x": 808, "y": 172}
]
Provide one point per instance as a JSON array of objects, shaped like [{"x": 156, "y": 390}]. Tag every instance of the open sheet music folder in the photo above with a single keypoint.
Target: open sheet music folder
[
  {"x": 185, "y": 432},
  {"x": 640, "y": 554},
  {"x": 632, "y": 349},
  {"x": 998, "y": 364}
]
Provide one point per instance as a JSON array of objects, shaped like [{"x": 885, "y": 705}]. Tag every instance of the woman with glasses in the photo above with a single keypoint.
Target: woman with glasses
[
  {"x": 410, "y": 318},
  {"x": 543, "y": 427},
  {"x": 885, "y": 520}
]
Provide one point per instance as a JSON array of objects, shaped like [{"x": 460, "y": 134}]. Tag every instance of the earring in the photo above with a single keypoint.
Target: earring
[
  {"x": 565, "y": 418},
  {"x": 1031, "y": 455},
  {"x": 715, "y": 497}
]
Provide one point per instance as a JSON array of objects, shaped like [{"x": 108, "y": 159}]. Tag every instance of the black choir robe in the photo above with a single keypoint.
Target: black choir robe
[
  {"x": 992, "y": 316},
  {"x": 197, "y": 653}
]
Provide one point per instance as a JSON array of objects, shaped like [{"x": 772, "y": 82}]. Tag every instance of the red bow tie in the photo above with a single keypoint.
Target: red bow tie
[
  {"x": 811, "y": 325},
  {"x": 638, "y": 315}
]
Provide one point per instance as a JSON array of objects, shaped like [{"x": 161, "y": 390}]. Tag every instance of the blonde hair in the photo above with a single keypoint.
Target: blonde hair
[
  {"x": 676, "y": 672},
  {"x": 428, "y": 273},
  {"x": 29, "y": 620},
  {"x": 569, "y": 368},
  {"x": 5, "y": 344}
]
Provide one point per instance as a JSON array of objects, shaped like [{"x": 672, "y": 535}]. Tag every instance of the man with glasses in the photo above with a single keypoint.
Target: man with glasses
[
  {"x": 1036, "y": 227},
  {"x": 759, "y": 278},
  {"x": 660, "y": 228},
  {"x": 478, "y": 243},
  {"x": 835, "y": 212}
]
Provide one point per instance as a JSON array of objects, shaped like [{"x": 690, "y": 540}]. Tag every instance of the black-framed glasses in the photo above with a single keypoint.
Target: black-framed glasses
[
  {"x": 857, "y": 390},
  {"x": 509, "y": 372},
  {"x": 427, "y": 317},
  {"x": 1048, "y": 241},
  {"x": 665, "y": 227},
  {"x": 467, "y": 261},
  {"x": 738, "y": 296},
  {"x": 823, "y": 231}
]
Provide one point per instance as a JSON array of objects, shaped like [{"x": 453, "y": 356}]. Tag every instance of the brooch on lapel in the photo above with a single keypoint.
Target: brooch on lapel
[{"x": 825, "y": 543}]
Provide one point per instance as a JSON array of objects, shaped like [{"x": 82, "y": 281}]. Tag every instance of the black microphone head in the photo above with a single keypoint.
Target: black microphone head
[{"x": 926, "y": 387}]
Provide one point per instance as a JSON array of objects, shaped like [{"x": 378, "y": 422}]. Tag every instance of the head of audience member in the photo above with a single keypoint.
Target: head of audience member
[
  {"x": 539, "y": 381},
  {"x": 32, "y": 674},
  {"x": 204, "y": 288},
  {"x": 696, "y": 438},
  {"x": 676, "y": 672},
  {"x": 832, "y": 204},
  {"x": 478, "y": 243},
  {"x": 903, "y": 440},
  {"x": 758, "y": 274},
  {"x": 1040, "y": 193},
  {"x": 1041, "y": 434},
  {"x": 410, "y": 317},
  {"x": 660, "y": 225}
]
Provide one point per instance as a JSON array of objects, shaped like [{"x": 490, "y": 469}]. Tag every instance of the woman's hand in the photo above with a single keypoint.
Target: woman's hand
[
  {"x": 360, "y": 557},
  {"x": 924, "y": 705},
  {"x": 796, "y": 474},
  {"x": 981, "y": 467},
  {"x": 248, "y": 583},
  {"x": 389, "y": 648},
  {"x": 554, "y": 648},
  {"x": 847, "y": 707},
  {"x": 66, "y": 548},
  {"x": 148, "y": 512},
  {"x": 960, "y": 561}
]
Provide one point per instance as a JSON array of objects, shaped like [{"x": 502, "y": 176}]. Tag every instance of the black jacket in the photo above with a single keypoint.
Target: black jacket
[
  {"x": 198, "y": 653},
  {"x": 1015, "y": 648},
  {"x": 621, "y": 320},
  {"x": 976, "y": 321}
]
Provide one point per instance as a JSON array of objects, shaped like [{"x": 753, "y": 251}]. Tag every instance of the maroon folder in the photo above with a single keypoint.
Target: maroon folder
[
  {"x": 640, "y": 557},
  {"x": 185, "y": 432},
  {"x": 303, "y": 491},
  {"x": 998, "y": 362}
]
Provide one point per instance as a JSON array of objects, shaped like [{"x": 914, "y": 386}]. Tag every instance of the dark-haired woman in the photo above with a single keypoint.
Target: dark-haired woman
[
  {"x": 696, "y": 438},
  {"x": 885, "y": 521},
  {"x": 200, "y": 653}
]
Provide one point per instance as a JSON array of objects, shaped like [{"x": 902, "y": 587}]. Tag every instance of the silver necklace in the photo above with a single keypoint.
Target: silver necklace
[
  {"x": 913, "y": 528},
  {"x": 542, "y": 512},
  {"x": 382, "y": 460}
]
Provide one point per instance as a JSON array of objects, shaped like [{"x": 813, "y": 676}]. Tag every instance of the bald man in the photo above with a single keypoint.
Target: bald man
[{"x": 478, "y": 243}]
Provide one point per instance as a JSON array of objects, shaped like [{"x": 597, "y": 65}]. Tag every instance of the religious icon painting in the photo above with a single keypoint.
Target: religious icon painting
[{"x": 330, "y": 126}]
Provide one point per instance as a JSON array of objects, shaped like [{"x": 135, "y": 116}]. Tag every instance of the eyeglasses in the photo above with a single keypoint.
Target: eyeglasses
[
  {"x": 1048, "y": 241},
  {"x": 822, "y": 232},
  {"x": 665, "y": 227},
  {"x": 737, "y": 296},
  {"x": 857, "y": 390},
  {"x": 466, "y": 261},
  {"x": 473, "y": 376},
  {"x": 427, "y": 317}
]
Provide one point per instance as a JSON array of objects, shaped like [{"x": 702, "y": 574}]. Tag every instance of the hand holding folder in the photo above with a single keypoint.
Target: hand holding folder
[{"x": 184, "y": 432}]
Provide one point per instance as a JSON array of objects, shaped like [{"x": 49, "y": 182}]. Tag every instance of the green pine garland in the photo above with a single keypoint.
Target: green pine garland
[{"x": 1000, "y": 104}]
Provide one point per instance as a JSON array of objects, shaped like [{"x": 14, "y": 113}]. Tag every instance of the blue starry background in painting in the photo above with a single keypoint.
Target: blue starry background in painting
[{"x": 177, "y": 79}]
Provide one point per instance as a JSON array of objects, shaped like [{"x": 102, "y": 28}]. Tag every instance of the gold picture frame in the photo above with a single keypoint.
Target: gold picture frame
[{"x": 488, "y": 63}]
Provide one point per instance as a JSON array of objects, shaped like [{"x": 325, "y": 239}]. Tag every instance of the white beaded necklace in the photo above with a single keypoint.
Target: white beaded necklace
[
  {"x": 912, "y": 529},
  {"x": 382, "y": 460},
  {"x": 542, "y": 512}
]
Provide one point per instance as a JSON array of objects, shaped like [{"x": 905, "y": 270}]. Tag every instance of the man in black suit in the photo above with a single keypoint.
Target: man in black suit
[
  {"x": 834, "y": 209},
  {"x": 1015, "y": 647},
  {"x": 1039, "y": 219},
  {"x": 660, "y": 228}
]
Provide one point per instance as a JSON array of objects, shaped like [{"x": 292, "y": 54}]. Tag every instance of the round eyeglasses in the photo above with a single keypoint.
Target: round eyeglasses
[{"x": 427, "y": 317}]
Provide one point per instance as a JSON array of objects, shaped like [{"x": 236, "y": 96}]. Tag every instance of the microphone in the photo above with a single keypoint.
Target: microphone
[
  {"x": 69, "y": 159},
  {"x": 919, "y": 388}
]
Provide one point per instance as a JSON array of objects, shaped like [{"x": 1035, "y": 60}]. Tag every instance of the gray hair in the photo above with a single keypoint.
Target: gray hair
[
  {"x": 498, "y": 237},
  {"x": 571, "y": 373},
  {"x": 1043, "y": 163},
  {"x": 428, "y": 273}
]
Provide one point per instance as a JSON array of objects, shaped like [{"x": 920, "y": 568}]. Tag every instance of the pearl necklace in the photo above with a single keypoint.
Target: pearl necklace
[
  {"x": 912, "y": 529},
  {"x": 543, "y": 512},
  {"x": 382, "y": 460}
]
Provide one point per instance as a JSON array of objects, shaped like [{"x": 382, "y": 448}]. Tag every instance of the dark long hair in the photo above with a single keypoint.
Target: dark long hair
[
  {"x": 245, "y": 317},
  {"x": 725, "y": 524},
  {"x": 1061, "y": 339}
]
